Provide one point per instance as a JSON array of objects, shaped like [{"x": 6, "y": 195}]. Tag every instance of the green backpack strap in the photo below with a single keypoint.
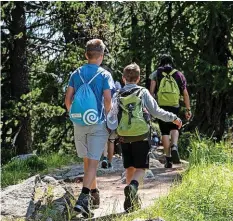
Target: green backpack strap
[{"x": 170, "y": 74}]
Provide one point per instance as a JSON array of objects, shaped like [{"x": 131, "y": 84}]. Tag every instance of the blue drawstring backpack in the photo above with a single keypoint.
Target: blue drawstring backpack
[{"x": 84, "y": 109}]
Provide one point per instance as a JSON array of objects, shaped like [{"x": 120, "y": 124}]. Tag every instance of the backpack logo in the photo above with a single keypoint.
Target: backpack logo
[
  {"x": 84, "y": 109},
  {"x": 90, "y": 117},
  {"x": 169, "y": 92}
]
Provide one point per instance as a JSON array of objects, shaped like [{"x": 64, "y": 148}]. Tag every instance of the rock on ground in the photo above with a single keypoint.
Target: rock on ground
[{"x": 37, "y": 199}]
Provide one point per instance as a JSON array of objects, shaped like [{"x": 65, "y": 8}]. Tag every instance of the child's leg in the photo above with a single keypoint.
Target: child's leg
[
  {"x": 90, "y": 167},
  {"x": 129, "y": 174},
  {"x": 106, "y": 150},
  {"x": 95, "y": 138},
  {"x": 166, "y": 145},
  {"x": 136, "y": 160},
  {"x": 104, "y": 163},
  {"x": 110, "y": 151},
  {"x": 138, "y": 175},
  {"x": 139, "y": 161},
  {"x": 94, "y": 183}
]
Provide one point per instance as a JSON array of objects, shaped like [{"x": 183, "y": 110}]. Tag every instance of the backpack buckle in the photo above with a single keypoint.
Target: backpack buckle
[{"x": 130, "y": 107}]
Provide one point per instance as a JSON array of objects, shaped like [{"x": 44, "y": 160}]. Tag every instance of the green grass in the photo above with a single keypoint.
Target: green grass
[
  {"x": 205, "y": 151},
  {"x": 206, "y": 190},
  {"x": 206, "y": 194},
  {"x": 18, "y": 170}
]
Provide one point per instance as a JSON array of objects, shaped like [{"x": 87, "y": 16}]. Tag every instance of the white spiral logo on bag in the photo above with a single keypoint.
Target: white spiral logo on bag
[{"x": 90, "y": 117}]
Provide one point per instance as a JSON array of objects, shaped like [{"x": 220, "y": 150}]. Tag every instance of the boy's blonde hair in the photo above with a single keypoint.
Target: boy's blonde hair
[
  {"x": 131, "y": 72},
  {"x": 95, "y": 48}
]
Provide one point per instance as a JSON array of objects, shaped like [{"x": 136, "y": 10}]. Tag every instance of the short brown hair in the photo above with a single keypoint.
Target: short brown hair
[
  {"x": 131, "y": 72},
  {"x": 95, "y": 48}
]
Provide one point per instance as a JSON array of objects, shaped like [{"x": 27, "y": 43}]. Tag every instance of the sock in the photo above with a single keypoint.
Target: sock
[
  {"x": 85, "y": 190},
  {"x": 135, "y": 183},
  {"x": 174, "y": 146},
  {"x": 93, "y": 190}
]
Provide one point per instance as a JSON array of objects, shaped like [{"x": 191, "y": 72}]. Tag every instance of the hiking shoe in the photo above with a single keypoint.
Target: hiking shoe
[
  {"x": 168, "y": 163},
  {"x": 110, "y": 166},
  {"x": 104, "y": 164},
  {"x": 131, "y": 199},
  {"x": 82, "y": 205},
  {"x": 175, "y": 154},
  {"x": 95, "y": 199}
]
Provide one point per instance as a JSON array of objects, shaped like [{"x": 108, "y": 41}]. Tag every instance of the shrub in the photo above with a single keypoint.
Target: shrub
[{"x": 184, "y": 144}]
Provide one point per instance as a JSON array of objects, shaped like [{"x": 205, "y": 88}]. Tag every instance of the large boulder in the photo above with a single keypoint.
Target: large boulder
[
  {"x": 37, "y": 199},
  {"x": 17, "y": 200}
]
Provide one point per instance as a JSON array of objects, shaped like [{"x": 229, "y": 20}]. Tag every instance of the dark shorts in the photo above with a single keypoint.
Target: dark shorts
[
  {"x": 135, "y": 154},
  {"x": 166, "y": 127}
]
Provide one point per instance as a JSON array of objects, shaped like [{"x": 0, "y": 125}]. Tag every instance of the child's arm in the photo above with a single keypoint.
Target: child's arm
[{"x": 153, "y": 108}]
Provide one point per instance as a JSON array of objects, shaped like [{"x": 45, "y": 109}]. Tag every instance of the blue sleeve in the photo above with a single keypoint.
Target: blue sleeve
[
  {"x": 108, "y": 82},
  {"x": 71, "y": 81}
]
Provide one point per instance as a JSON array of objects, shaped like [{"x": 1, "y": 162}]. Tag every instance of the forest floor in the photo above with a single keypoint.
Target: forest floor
[{"x": 111, "y": 185}]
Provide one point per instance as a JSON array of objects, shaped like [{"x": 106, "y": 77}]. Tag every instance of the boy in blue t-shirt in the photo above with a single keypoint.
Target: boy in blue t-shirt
[{"x": 90, "y": 140}]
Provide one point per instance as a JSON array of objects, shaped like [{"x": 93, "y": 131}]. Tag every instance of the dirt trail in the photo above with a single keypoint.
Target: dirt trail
[{"x": 111, "y": 186}]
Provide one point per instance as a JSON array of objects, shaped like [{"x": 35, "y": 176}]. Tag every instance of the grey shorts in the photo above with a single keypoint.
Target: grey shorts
[{"x": 90, "y": 140}]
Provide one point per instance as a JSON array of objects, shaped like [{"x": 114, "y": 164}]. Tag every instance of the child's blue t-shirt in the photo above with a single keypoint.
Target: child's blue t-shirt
[{"x": 102, "y": 82}]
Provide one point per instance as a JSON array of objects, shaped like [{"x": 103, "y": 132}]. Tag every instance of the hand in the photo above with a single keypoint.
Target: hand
[
  {"x": 188, "y": 114},
  {"x": 109, "y": 130},
  {"x": 178, "y": 122}
]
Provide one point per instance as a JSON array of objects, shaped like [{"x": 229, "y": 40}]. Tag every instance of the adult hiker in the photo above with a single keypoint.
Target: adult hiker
[
  {"x": 87, "y": 98},
  {"x": 169, "y": 84},
  {"x": 133, "y": 130}
]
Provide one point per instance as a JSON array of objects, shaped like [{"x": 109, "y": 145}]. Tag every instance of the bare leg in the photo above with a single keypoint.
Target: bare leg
[
  {"x": 110, "y": 151},
  {"x": 90, "y": 167},
  {"x": 139, "y": 175},
  {"x": 166, "y": 145},
  {"x": 174, "y": 137},
  {"x": 129, "y": 174},
  {"x": 106, "y": 150},
  {"x": 174, "y": 149}
]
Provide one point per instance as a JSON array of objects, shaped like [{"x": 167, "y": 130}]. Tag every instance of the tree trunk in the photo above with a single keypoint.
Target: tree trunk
[
  {"x": 210, "y": 114},
  {"x": 147, "y": 48},
  {"x": 19, "y": 74},
  {"x": 169, "y": 26},
  {"x": 211, "y": 104},
  {"x": 134, "y": 35}
]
